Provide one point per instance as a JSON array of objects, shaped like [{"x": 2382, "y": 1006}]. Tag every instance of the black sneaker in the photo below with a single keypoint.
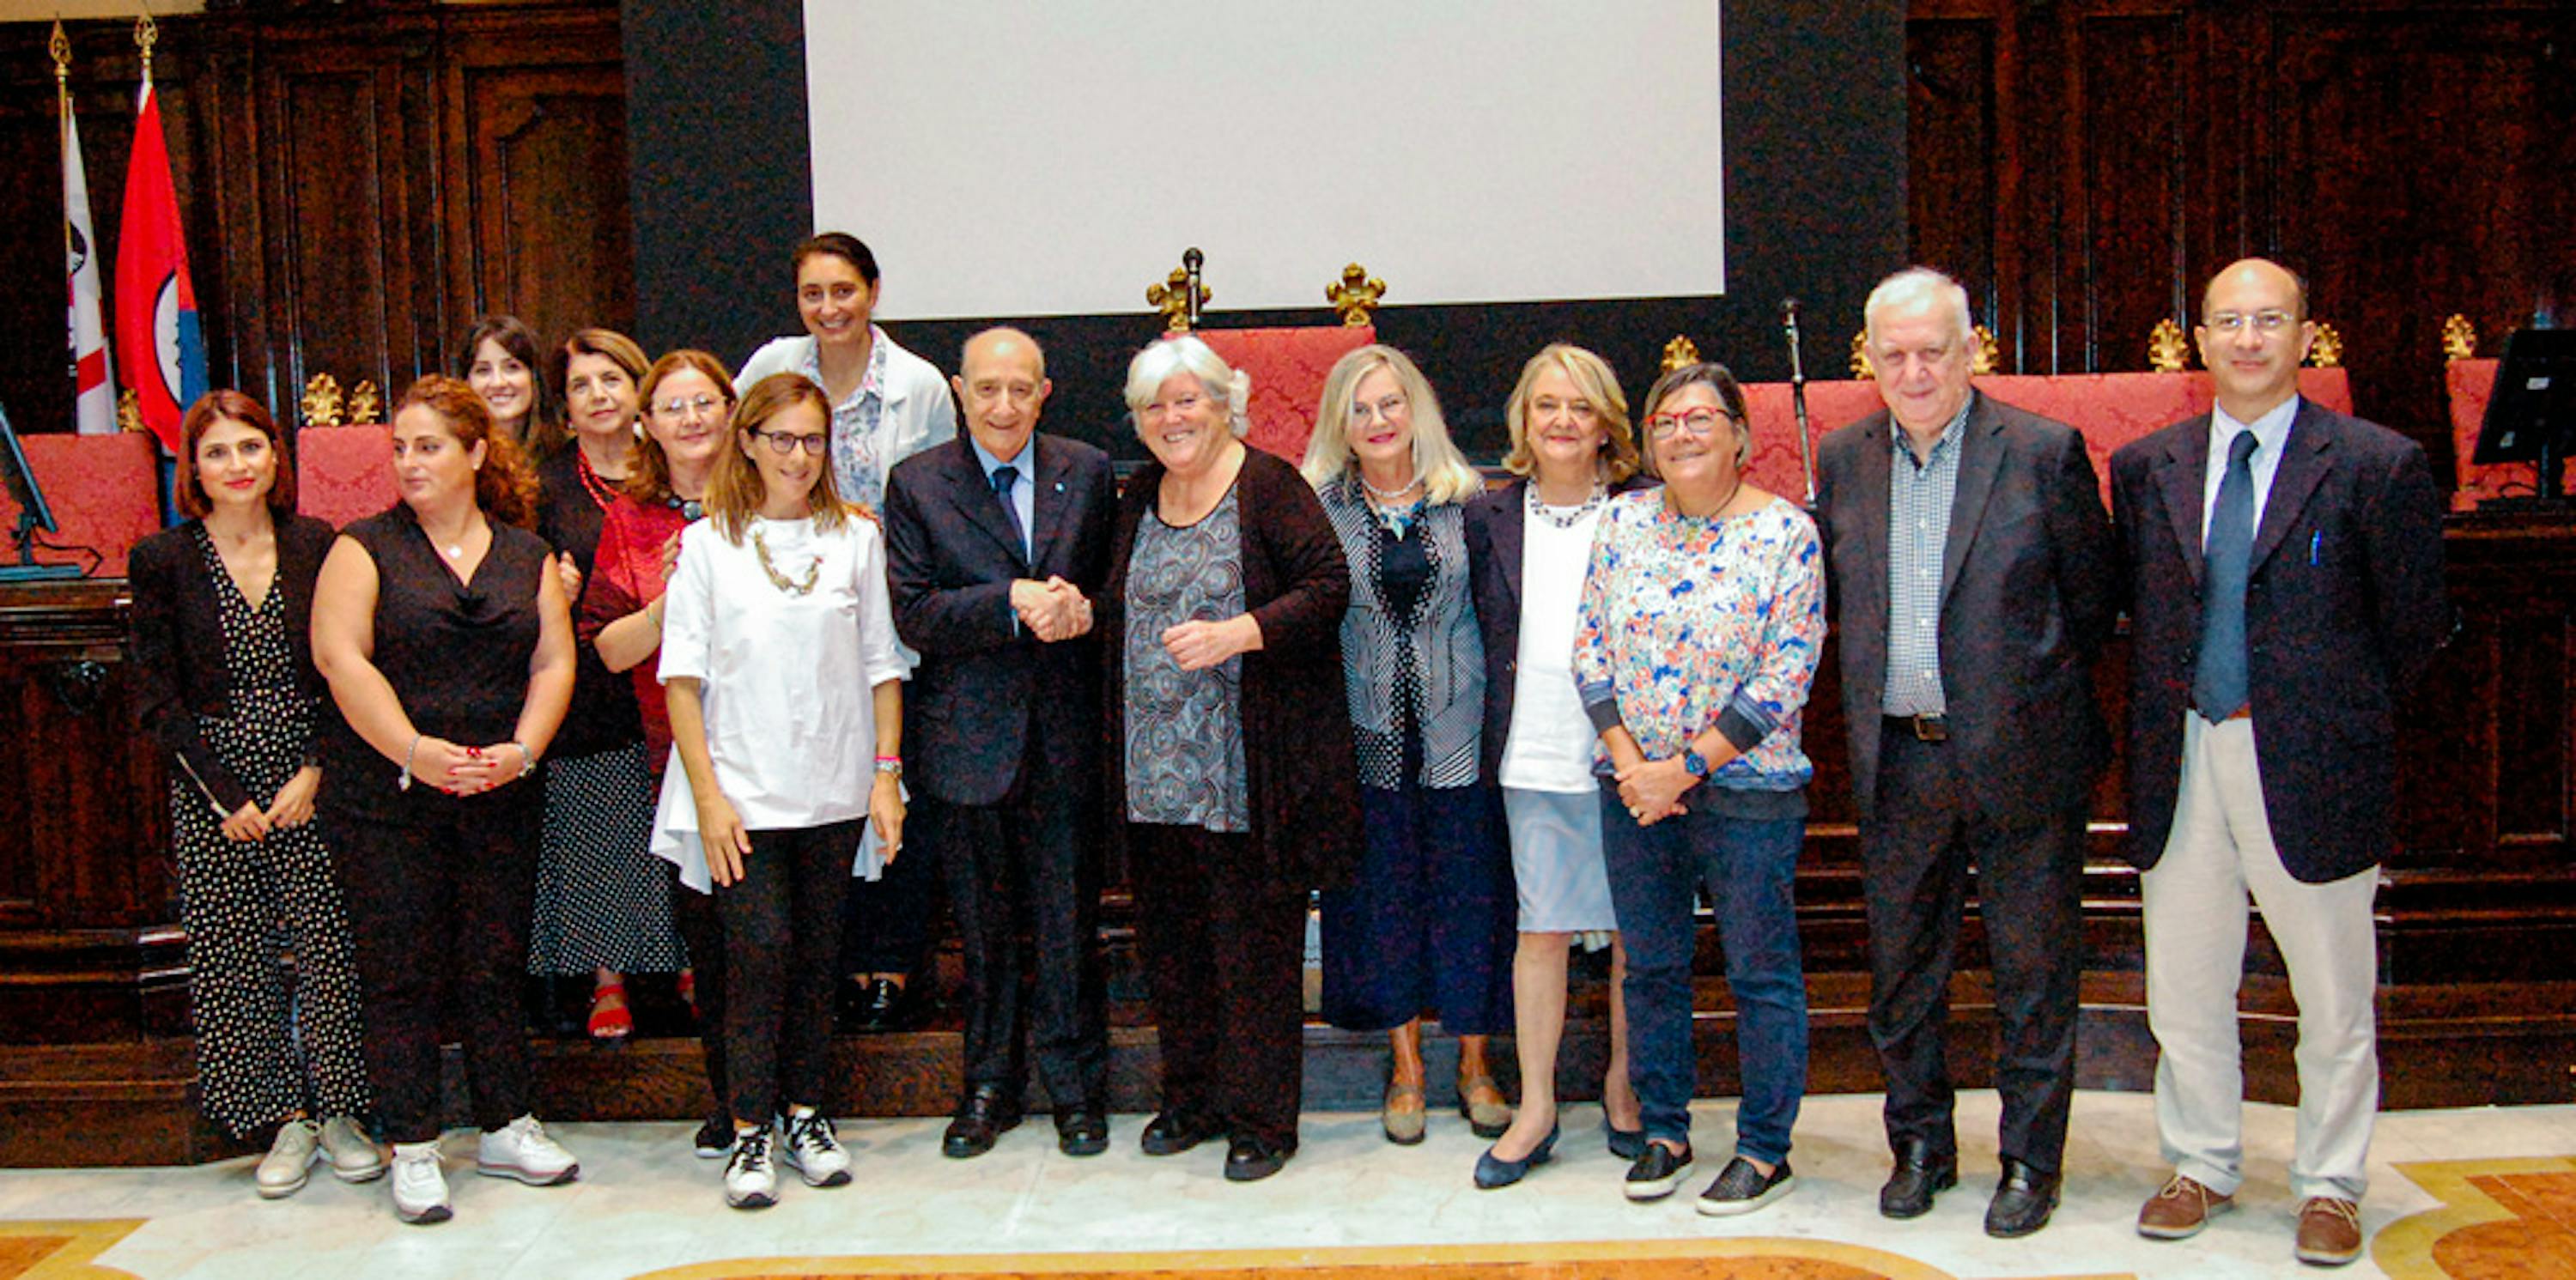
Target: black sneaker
[
  {"x": 715, "y": 1138},
  {"x": 1741, "y": 1188},
  {"x": 1657, "y": 1172}
]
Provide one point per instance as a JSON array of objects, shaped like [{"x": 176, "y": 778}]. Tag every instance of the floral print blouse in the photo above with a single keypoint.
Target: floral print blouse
[{"x": 1689, "y": 622}]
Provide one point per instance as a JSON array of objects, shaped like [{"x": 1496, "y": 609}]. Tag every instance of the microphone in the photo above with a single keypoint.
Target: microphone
[
  {"x": 1798, "y": 395},
  {"x": 1191, "y": 261}
]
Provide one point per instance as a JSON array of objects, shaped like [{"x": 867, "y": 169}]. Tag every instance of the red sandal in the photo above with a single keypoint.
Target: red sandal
[{"x": 609, "y": 1018}]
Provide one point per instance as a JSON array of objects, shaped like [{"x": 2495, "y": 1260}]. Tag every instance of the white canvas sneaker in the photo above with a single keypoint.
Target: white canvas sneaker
[
  {"x": 522, "y": 1150},
  {"x": 420, "y": 1186},
  {"x": 281, "y": 1172},
  {"x": 750, "y": 1180},
  {"x": 354, "y": 1156},
  {"x": 814, "y": 1152}
]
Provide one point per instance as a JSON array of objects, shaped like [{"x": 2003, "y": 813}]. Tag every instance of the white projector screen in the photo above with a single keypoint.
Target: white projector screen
[{"x": 1025, "y": 157}]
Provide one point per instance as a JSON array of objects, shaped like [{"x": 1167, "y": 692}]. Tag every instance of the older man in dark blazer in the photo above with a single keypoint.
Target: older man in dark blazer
[
  {"x": 1975, "y": 578},
  {"x": 2287, "y": 563},
  {"x": 996, "y": 542}
]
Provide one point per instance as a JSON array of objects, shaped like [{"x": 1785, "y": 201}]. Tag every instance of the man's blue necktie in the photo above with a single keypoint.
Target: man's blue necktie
[
  {"x": 2218, "y": 687},
  {"x": 1003, "y": 479}
]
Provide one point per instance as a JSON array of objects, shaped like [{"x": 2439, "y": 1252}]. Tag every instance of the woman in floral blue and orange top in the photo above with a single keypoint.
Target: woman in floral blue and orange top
[{"x": 1701, "y": 618}]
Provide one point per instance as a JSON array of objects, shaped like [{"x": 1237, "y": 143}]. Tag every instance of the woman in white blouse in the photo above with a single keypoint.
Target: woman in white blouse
[{"x": 776, "y": 621}]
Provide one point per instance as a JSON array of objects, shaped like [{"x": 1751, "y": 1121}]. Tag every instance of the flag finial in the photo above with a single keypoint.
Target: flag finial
[
  {"x": 146, "y": 34},
  {"x": 61, "y": 47}
]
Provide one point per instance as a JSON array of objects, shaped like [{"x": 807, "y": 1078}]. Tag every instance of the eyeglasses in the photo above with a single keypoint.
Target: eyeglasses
[
  {"x": 786, "y": 445},
  {"x": 1697, "y": 422},
  {"x": 2233, "y": 322},
  {"x": 683, "y": 410}
]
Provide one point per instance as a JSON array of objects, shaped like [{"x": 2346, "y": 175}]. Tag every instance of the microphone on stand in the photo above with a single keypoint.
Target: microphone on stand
[
  {"x": 1191, "y": 261},
  {"x": 1798, "y": 395}
]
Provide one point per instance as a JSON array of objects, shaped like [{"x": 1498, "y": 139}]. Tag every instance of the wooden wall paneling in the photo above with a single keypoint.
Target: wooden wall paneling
[
  {"x": 537, "y": 218},
  {"x": 2129, "y": 207},
  {"x": 1951, "y": 151}
]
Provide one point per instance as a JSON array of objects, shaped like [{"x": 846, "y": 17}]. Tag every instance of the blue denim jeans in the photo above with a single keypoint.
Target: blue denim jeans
[{"x": 1745, "y": 867}]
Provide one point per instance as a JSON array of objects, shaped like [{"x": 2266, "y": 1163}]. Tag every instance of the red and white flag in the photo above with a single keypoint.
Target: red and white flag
[
  {"x": 94, "y": 391},
  {"x": 156, "y": 306}
]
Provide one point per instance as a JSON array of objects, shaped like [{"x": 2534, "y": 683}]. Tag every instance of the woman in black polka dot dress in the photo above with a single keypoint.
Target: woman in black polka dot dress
[{"x": 224, "y": 680}]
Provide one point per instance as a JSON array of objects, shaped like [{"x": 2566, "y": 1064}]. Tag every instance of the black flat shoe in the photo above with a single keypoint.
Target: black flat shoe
[
  {"x": 1493, "y": 1172},
  {"x": 2022, "y": 1203},
  {"x": 1919, "y": 1175},
  {"x": 1251, "y": 1160},
  {"x": 1170, "y": 1134},
  {"x": 1082, "y": 1129},
  {"x": 1657, "y": 1172},
  {"x": 983, "y": 1116}
]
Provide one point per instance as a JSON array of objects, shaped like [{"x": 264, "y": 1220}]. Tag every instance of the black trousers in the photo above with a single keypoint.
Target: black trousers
[
  {"x": 439, "y": 911},
  {"x": 781, "y": 937},
  {"x": 702, "y": 932},
  {"x": 1026, "y": 864},
  {"x": 1915, "y": 858},
  {"x": 1224, "y": 949}
]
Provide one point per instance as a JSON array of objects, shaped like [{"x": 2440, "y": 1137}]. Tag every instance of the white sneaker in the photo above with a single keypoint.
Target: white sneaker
[
  {"x": 420, "y": 1186},
  {"x": 281, "y": 1171},
  {"x": 814, "y": 1152},
  {"x": 750, "y": 1181},
  {"x": 354, "y": 1156},
  {"x": 522, "y": 1150}
]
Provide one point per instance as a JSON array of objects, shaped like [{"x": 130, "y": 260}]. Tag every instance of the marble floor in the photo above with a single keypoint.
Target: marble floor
[{"x": 2485, "y": 1192}]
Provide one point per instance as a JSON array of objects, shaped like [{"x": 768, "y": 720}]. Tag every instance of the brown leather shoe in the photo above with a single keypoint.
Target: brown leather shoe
[
  {"x": 2180, "y": 1210},
  {"x": 2329, "y": 1231},
  {"x": 1402, "y": 1118}
]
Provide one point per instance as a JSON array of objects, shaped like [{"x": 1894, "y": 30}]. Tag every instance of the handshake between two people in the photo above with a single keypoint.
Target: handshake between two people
[{"x": 1052, "y": 610}]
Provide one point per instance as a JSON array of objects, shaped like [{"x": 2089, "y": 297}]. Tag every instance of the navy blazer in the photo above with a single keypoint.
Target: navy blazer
[
  {"x": 176, "y": 634},
  {"x": 2030, "y": 583},
  {"x": 984, "y": 683},
  {"x": 1495, "y": 519},
  {"x": 2343, "y": 608}
]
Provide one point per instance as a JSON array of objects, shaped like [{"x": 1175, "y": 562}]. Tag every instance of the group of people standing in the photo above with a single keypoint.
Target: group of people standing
[{"x": 1571, "y": 710}]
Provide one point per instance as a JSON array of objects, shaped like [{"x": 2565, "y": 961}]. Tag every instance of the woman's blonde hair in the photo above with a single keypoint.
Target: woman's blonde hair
[
  {"x": 1592, "y": 376},
  {"x": 735, "y": 491},
  {"x": 1444, "y": 472}
]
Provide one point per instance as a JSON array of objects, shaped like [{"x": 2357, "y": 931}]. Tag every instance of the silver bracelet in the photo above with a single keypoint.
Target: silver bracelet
[
  {"x": 527, "y": 758},
  {"x": 404, "y": 783}
]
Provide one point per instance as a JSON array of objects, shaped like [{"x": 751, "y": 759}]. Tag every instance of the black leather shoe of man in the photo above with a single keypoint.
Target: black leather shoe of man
[
  {"x": 1172, "y": 1133},
  {"x": 1251, "y": 1160},
  {"x": 2022, "y": 1203},
  {"x": 983, "y": 1116},
  {"x": 1082, "y": 1129},
  {"x": 1919, "y": 1176}
]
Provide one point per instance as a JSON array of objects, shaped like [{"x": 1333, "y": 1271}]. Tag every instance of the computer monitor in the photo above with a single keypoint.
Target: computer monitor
[
  {"x": 2532, "y": 416},
  {"x": 33, "y": 513}
]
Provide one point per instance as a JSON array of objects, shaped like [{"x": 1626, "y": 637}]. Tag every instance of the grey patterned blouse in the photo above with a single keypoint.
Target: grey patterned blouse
[{"x": 1185, "y": 728}]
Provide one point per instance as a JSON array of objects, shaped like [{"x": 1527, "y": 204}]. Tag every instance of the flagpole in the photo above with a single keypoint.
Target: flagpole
[{"x": 61, "y": 47}]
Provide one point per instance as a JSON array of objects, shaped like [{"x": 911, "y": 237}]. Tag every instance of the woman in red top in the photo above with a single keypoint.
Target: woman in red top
[{"x": 688, "y": 414}]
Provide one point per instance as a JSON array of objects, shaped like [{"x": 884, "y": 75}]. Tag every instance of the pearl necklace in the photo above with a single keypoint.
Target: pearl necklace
[{"x": 1388, "y": 495}]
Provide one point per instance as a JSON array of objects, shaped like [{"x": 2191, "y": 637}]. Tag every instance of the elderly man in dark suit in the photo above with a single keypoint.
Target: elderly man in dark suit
[
  {"x": 2287, "y": 563},
  {"x": 996, "y": 542},
  {"x": 1975, "y": 578}
]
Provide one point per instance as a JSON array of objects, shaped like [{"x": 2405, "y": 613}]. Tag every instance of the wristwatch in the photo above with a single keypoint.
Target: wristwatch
[
  {"x": 890, "y": 765},
  {"x": 1695, "y": 763}
]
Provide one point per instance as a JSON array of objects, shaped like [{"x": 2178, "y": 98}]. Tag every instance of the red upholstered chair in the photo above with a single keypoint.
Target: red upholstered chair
[
  {"x": 105, "y": 492},
  {"x": 344, "y": 473},
  {"x": 1287, "y": 367}
]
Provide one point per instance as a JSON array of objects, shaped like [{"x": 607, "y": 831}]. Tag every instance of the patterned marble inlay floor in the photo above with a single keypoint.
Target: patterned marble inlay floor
[{"x": 2457, "y": 1194}]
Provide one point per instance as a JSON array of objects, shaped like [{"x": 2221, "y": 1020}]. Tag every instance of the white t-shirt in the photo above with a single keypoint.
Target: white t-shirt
[
  {"x": 1550, "y": 747},
  {"x": 787, "y": 679}
]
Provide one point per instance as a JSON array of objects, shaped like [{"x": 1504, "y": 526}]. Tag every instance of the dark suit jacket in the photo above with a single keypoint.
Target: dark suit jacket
[
  {"x": 1495, "y": 519},
  {"x": 2344, "y": 606},
  {"x": 2029, "y": 591},
  {"x": 985, "y": 683},
  {"x": 177, "y": 635},
  {"x": 1304, "y": 781}
]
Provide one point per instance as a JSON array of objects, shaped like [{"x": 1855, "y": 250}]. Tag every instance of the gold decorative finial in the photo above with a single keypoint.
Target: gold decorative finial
[
  {"x": 1172, "y": 297},
  {"x": 129, "y": 411},
  {"x": 61, "y": 47},
  {"x": 366, "y": 404},
  {"x": 1988, "y": 351},
  {"x": 2327, "y": 351},
  {"x": 1679, "y": 352},
  {"x": 322, "y": 401},
  {"x": 2459, "y": 337},
  {"x": 146, "y": 34},
  {"x": 2167, "y": 350},
  {"x": 1355, "y": 295},
  {"x": 1860, "y": 365}
]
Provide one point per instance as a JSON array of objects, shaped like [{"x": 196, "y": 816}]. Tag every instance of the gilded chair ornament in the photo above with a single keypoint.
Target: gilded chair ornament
[
  {"x": 321, "y": 402},
  {"x": 2167, "y": 350},
  {"x": 1355, "y": 295},
  {"x": 129, "y": 411},
  {"x": 2459, "y": 338},
  {"x": 2327, "y": 351},
  {"x": 1860, "y": 366},
  {"x": 366, "y": 404},
  {"x": 1982, "y": 361},
  {"x": 1679, "y": 352}
]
